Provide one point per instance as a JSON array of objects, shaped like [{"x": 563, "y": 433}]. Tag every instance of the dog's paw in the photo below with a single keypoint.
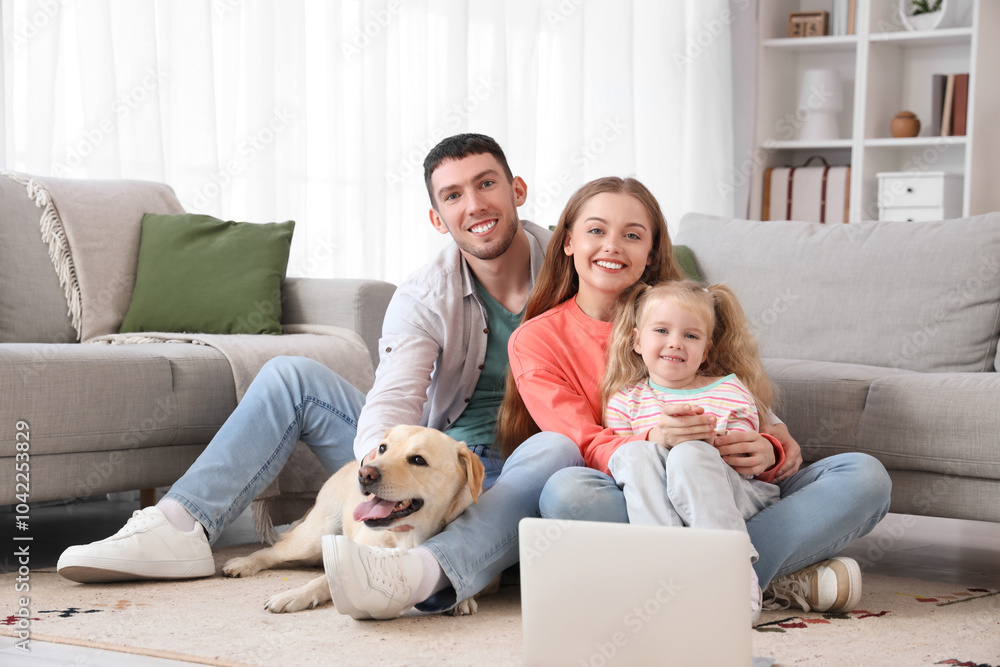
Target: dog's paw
[
  {"x": 466, "y": 607},
  {"x": 311, "y": 595},
  {"x": 290, "y": 601},
  {"x": 240, "y": 567}
]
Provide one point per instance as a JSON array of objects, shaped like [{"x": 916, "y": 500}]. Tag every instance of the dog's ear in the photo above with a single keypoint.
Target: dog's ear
[
  {"x": 474, "y": 470},
  {"x": 468, "y": 494}
]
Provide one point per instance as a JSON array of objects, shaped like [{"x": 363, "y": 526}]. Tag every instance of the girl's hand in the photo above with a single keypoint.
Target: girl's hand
[
  {"x": 690, "y": 423},
  {"x": 735, "y": 447}
]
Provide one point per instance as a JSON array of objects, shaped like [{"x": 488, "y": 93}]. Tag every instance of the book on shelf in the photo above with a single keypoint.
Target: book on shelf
[
  {"x": 842, "y": 17},
  {"x": 949, "y": 104},
  {"x": 949, "y": 96},
  {"x": 961, "y": 106},
  {"x": 937, "y": 103}
]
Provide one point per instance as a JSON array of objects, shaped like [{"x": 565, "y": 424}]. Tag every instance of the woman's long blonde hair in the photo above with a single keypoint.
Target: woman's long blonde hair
[
  {"x": 732, "y": 348},
  {"x": 558, "y": 281}
]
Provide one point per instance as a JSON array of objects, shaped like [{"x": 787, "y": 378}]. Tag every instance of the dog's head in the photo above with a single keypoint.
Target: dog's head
[{"x": 419, "y": 478}]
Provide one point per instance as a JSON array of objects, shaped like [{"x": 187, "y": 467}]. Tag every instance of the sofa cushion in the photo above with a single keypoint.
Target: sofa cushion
[
  {"x": 80, "y": 398},
  {"x": 685, "y": 259},
  {"x": 909, "y": 419},
  {"x": 204, "y": 390},
  {"x": 198, "y": 274},
  {"x": 82, "y": 474},
  {"x": 32, "y": 304},
  {"x": 923, "y": 296},
  {"x": 822, "y": 402},
  {"x": 951, "y": 496}
]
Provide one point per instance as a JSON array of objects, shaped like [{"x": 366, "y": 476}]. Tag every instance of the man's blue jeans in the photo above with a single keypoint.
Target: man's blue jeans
[
  {"x": 823, "y": 507},
  {"x": 294, "y": 398}
]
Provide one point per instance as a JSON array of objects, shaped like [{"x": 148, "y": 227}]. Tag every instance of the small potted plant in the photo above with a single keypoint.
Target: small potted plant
[{"x": 923, "y": 14}]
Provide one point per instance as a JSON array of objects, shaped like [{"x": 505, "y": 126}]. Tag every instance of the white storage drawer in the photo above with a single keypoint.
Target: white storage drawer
[
  {"x": 908, "y": 195},
  {"x": 919, "y": 214}
]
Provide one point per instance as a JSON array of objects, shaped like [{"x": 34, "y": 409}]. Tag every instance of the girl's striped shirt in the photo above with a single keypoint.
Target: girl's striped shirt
[{"x": 637, "y": 408}]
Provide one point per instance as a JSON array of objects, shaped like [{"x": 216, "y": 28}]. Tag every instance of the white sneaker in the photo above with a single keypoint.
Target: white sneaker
[
  {"x": 369, "y": 582},
  {"x": 830, "y": 585},
  {"x": 147, "y": 547},
  {"x": 756, "y": 597}
]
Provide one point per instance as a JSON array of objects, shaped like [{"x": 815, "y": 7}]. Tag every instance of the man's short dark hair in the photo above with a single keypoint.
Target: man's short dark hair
[{"x": 458, "y": 147}]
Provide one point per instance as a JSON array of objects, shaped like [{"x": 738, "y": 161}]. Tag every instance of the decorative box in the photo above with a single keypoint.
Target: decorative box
[
  {"x": 808, "y": 194},
  {"x": 919, "y": 195}
]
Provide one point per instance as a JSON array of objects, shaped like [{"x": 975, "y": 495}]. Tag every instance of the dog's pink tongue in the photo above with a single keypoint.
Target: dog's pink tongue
[{"x": 375, "y": 508}]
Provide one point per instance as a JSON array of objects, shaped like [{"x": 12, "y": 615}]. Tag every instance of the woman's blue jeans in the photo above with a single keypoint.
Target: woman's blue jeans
[
  {"x": 294, "y": 398},
  {"x": 823, "y": 507}
]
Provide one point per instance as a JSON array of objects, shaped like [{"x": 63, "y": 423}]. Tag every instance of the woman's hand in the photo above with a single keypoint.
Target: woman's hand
[
  {"x": 748, "y": 452},
  {"x": 793, "y": 453},
  {"x": 690, "y": 423}
]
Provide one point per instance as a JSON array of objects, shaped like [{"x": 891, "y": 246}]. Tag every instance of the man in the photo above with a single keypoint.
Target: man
[{"x": 443, "y": 360}]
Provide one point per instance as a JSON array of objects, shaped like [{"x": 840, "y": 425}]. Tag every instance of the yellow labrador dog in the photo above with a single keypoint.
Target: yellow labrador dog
[{"x": 415, "y": 482}]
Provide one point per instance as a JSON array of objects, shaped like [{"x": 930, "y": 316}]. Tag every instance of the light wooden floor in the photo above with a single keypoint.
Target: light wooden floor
[{"x": 946, "y": 550}]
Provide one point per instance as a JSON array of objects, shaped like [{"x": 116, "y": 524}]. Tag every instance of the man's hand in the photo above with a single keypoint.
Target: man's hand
[
  {"x": 748, "y": 452},
  {"x": 690, "y": 423},
  {"x": 793, "y": 453}
]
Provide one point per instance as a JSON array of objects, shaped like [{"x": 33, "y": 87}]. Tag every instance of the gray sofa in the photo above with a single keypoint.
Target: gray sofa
[
  {"x": 881, "y": 338},
  {"x": 107, "y": 418}
]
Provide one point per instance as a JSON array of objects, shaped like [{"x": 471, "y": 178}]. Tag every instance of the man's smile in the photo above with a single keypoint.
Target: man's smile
[{"x": 483, "y": 227}]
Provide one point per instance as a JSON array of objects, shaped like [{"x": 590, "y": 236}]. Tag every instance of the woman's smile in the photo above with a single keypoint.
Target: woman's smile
[{"x": 610, "y": 243}]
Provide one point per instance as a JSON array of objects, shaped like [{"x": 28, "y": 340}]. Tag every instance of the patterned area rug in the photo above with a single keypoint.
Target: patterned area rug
[
  {"x": 222, "y": 622},
  {"x": 899, "y": 622}
]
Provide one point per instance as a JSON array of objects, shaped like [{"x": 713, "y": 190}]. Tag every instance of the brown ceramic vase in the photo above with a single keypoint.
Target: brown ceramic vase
[{"x": 905, "y": 124}]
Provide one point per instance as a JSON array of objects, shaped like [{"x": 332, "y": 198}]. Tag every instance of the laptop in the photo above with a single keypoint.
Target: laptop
[{"x": 603, "y": 594}]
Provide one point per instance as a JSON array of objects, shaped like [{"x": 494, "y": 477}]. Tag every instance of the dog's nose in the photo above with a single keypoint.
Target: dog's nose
[{"x": 367, "y": 475}]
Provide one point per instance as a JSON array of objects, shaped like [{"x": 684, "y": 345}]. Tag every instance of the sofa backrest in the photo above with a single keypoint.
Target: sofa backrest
[
  {"x": 33, "y": 306},
  {"x": 88, "y": 231},
  {"x": 922, "y": 296}
]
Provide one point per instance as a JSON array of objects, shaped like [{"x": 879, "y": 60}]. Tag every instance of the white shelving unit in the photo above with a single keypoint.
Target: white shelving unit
[{"x": 885, "y": 68}]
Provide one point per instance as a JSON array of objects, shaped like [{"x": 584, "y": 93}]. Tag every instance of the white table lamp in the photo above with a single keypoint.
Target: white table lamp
[{"x": 820, "y": 99}]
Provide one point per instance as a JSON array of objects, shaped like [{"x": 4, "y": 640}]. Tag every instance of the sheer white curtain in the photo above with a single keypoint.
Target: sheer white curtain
[{"x": 322, "y": 112}]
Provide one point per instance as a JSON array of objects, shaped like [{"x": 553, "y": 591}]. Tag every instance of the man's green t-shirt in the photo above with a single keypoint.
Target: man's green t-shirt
[{"x": 477, "y": 425}]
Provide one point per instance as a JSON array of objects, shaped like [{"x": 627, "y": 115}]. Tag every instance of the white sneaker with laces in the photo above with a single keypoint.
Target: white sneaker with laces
[
  {"x": 369, "y": 582},
  {"x": 830, "y": 585},
  {"x": 756, "y": 598},
  {"x": 147, "y": 547}
]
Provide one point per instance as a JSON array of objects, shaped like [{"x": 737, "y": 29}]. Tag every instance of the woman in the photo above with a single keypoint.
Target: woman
[{"x": 611, "y": 235}]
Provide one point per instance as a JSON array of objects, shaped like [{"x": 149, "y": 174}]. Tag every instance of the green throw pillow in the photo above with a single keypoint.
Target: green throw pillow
[
  {"x": 198, "y": 274},
  {"x": 685, "y": 258}
]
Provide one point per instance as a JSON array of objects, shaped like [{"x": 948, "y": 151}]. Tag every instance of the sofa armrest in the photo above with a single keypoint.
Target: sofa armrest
[{"x": 355, "y": 304}]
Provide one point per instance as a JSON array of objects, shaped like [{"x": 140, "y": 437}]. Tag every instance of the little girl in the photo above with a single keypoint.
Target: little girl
[{"x": 675, "y": 345}]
